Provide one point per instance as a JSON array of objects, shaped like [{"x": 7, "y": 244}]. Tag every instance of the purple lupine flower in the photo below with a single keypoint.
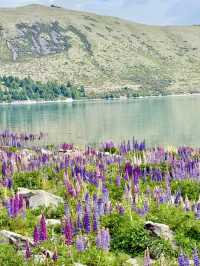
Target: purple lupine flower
[
  {"x": 118, "y": 181},
  {"x": 100, "y": 207},
  {"x": 8, "y": 206},
  {"x": 126, "y": 176},
  {"x": 86, "y": 222},
  {"x": 69, "y": 187},
  {"x": 80, "y": 243},
  {"x": 186, "y": 261},
  {"x": 103, "y": 239},
  {"x": 95, "y": 221},
  {"x": 79, "y": 224},
  {"x": 68, "y": 232},
  {"x": 198, "y": 211},
  {"x": 36, "y": 236},
  {"x": 16, "y": 204},
  {"x": 136, "y": 173},
  {"x": 79, "y": 210},
  {"x": 87, "y": 202},
  {"x": 8, "y": 182},
  {"x": 21, "y": 201},
  {"x": 187, "y": 205},
  {"x": 4, "y": 168},
  {"x": 28, "y": 250},
  {"x": 129, "y": 169},
  {"x": 181, "y": 260},
  {"x": 121, "y": 209},
  {"x": 196, "y": 258},
  {"x": 105, "y": 194},
  {"x": 177, "y": 198},
  {"x": 43, "y": 229}
]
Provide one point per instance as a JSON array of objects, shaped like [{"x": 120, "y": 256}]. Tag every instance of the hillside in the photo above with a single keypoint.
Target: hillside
[{"x": 101, "y": 53}]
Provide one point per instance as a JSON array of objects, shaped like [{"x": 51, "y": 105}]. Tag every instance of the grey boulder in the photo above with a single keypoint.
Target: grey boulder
[{"x": 39, "y": 198}]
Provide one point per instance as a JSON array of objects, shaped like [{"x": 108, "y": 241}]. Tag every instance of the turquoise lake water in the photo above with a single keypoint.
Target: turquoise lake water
[{"x": 160, "y": 120}]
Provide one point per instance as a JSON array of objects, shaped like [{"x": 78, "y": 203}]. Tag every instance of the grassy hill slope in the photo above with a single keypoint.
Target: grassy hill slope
[{"x": 101, "y": 53}]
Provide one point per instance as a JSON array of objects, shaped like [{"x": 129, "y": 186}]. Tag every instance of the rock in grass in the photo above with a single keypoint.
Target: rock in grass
[
  {"x": 39, "y": 198},
  {"x": 132, "y": 262},
  {"x": 161, "y": 230},
  {"x": 14, "y": 238},
  {"x": 53, "y": 222},
  {"x": 38, "y": 259},
  {"x": 20, "y": 242}
]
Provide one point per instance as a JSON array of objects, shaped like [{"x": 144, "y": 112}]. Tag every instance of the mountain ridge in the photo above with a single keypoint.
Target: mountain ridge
[{"x": 100, "y": 52}]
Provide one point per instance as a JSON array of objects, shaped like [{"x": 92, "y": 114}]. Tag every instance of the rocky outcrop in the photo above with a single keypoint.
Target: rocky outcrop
[
  {"x": 161, "y": 230},
  {"x": 14, "y": 238},
  {"x": 19, "y": 241},
  {"x": 38, "y": 198}
]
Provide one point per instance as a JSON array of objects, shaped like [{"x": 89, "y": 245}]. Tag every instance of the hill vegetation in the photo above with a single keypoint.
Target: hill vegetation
[
  {"x": 16, "y": 89},
  {"x": 102, "y": 53}
]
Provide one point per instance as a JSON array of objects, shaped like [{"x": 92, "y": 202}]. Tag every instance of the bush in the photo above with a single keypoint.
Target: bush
[
  {"x": 9, "y": 257},
  {"x": 129, "y": 236},
  {"x": 189, "y": 188},
  {"x": 32, "y": 180},
  {"x": 186, "y": 228}
]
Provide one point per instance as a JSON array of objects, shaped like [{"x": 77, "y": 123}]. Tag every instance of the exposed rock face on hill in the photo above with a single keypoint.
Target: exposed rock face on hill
[{"x": 98, "y": 52}]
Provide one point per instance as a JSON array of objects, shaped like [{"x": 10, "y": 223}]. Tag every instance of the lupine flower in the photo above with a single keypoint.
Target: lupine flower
[
  {"x": 36, "y": 236},
  {"x": 95, "y": 221},
  {"x": 198, "y": 211},
  {"x": 181, "y": 260},
  {"x": 86, "y": 222},
  {"x": 68, "y": 232},
  {"x": 4, "y": 169},
  {"x": 196, "y": 258},
  {"x": 121, "y": 209},
  {"x": 43, "y": 229},
  {"x": 103, "y": 239},
  {"x": 118, "y": 181},
  {"x": 80, "y": 243},
  {"x": 186, "y": 261}
]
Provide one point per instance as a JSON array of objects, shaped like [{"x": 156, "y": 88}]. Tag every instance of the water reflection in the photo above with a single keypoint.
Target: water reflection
[{"x": 167, "y": 120}]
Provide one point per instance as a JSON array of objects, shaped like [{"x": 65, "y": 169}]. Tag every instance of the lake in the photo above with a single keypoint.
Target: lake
[{"x": 172, "y": 120}]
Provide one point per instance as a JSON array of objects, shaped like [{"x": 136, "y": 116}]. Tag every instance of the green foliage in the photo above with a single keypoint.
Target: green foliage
[
  {"x": 31, "y": 180},
  {"x": 9, "y": 256},
  {"x": 187, "y": 187},
  {"x": 184, "y": 225},
  {"x": 96, "y": 257},
  {"x": 129, "y": 236},
  {"x": 27, "y": 89}
]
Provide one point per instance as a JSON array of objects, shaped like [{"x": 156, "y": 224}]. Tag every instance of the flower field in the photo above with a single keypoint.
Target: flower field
[{"x": 126, "y": 204}]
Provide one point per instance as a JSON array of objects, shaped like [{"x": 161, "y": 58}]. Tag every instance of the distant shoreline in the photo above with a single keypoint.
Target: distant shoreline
[
  {"x": 27, "y": 102},
  {"x": 70, "y": 100}
]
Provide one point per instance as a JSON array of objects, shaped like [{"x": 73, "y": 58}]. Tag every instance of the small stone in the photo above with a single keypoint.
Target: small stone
[
  {"x": 53, "y": 222},
  {"x": 132, "y": 262}
]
